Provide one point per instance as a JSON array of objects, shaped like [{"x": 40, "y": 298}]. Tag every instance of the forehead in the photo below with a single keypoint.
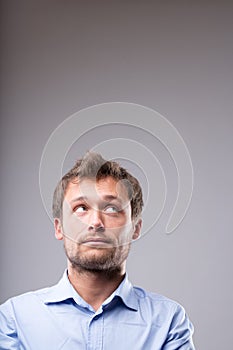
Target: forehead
[{"x": 101, "y": 189}]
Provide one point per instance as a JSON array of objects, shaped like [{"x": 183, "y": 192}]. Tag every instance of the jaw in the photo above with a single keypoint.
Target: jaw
[{"x": 100, "y": 260}]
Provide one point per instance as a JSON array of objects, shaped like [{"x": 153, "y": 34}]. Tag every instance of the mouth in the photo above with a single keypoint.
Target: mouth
[{"x": 97, "y": 242}]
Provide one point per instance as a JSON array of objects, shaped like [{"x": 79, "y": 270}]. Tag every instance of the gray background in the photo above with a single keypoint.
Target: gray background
[{"x": 173, "y": 56}]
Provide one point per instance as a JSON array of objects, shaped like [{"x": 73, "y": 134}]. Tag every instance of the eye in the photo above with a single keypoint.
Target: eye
[
  {"x": 111, "y": 209},
  {"x": 80, "y": 209}
]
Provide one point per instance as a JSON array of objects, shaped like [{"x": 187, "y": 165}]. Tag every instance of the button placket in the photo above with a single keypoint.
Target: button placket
[{"x": 95, "y": 332}]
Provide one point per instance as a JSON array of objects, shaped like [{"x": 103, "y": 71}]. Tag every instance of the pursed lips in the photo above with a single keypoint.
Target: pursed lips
[{"x": 96, "y": 241}]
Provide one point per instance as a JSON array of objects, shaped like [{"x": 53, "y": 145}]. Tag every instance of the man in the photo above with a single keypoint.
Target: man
[{"x": 97, "y": 213}]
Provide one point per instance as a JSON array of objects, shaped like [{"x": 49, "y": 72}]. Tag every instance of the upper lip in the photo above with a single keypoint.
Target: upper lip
[{"x": 97, "y": 239}]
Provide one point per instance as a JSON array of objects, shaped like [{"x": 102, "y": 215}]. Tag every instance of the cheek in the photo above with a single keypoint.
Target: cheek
[
  {"x": 120, "y": 220},
  {"x": 73, "y": 226},
  {"x": 114, "y": 223},
  {"x": 121, "y": 230}
]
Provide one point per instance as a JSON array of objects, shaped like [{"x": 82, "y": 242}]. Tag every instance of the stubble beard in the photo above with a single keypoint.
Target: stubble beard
[{"x": 109, "y": 262}]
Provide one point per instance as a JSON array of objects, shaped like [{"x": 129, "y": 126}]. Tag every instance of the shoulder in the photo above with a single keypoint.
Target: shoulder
[
  {"x": 154, "y": 299},
  {"x": 167, "y": 315},
  {"x": 25, "y": 300},
  {"x": 158, "y": 306}
]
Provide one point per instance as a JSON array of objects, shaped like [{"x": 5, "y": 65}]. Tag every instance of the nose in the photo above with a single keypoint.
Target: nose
[{"x": 96, "y": 223}]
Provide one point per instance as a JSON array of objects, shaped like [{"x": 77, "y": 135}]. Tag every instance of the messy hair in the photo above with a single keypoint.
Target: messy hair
[{"x": 94, "y": 166}]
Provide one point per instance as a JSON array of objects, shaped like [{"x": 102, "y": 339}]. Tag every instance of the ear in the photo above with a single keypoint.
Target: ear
[
  {"x": 58, "y": 229},
  {"x": 137, "y": 229}
]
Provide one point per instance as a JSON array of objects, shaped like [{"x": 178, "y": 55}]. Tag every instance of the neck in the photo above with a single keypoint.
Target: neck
[{"x": 95, "y": 286}]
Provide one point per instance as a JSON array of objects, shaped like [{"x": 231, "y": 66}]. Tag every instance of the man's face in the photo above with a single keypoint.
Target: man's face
[{"x": 97, "y": 227}]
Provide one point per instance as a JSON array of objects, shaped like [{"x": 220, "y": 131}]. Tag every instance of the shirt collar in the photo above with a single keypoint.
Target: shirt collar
[
  {"x": 126, "y": 293},
  {"x": 64, "y": 290}
]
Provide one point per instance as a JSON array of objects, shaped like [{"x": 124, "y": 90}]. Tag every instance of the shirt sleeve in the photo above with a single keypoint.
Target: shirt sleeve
[
  {"x": 8, "y": 334},
  {"x": 180, "y": 332}
]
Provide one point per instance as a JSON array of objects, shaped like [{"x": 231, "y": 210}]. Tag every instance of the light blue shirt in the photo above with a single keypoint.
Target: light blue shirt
[{"x": 58, "y": 318}]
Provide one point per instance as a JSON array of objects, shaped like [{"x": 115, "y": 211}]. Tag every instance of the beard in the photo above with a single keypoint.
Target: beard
[{"x": 106, "y": 260}]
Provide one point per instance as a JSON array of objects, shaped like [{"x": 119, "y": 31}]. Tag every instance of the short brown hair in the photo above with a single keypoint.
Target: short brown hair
[{"x": 93, "y": 165}]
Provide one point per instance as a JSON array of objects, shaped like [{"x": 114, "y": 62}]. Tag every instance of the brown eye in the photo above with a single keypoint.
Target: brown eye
[{"x": 80, "y": 209}]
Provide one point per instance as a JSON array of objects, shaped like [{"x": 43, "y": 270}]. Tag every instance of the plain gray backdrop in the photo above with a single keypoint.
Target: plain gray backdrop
[{"x": 58, "y": 57}]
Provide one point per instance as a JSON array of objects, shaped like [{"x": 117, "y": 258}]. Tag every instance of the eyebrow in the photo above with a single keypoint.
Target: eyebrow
[
  {"x": 79, "y": 199},
  {"x": 107, "y": 197}
]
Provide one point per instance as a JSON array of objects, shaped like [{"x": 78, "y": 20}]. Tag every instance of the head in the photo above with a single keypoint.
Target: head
[{"x": 97, "y": 209}]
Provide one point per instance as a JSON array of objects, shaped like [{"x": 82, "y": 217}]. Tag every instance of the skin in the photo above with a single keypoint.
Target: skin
[{"x": 97, "y": 230}]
